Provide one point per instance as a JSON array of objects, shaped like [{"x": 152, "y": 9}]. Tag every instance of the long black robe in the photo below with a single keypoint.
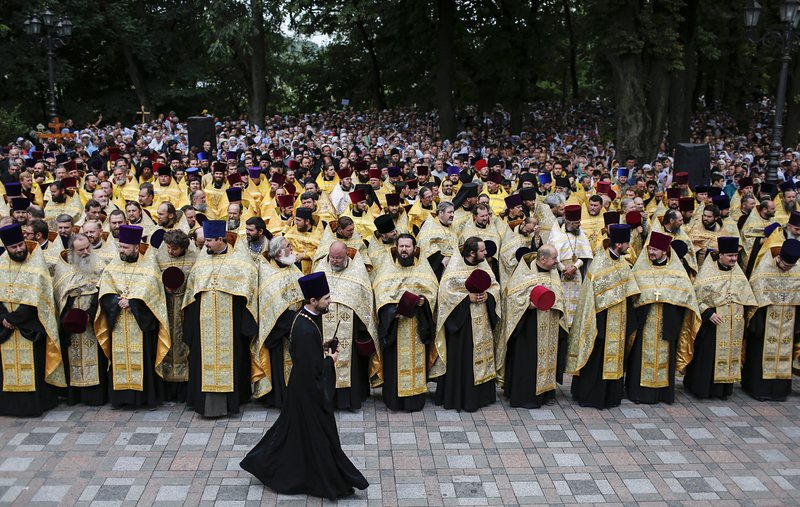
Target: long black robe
[
  {"x": 90, "y": 395},
  {"x": 699, "y": 378},
  {"x": 671, "y": 330},
  {"x": 437, "y": 265},
  {"x": 387, "y": 331},
  {"x": 522, "y": 357},
  {"x": 301, "y": 453},
  {"x": 589, "y": 389},
  {"x": 274, "y": 343},
  {"x": 753, "y": 382},
  {"x": 244, "y": 328},
  {"x": 351, "y": 398},
  {"x": 456, "y": 389},
  {"x": 45, "y": 397},
  {"x": 152, "y": 393}
]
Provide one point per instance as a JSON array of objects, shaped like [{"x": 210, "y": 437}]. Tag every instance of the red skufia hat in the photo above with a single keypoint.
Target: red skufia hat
[
  {"x": 572, "y": 213},
  {"x": 70, "y": 182},
  {"x": 480, "y": 164},
  {"x": 543, "y": 298},
  {"x": 673, "y": 193},
  {"x": 293, "y": 165},
  {"x": 478, "y": 281},
  {"x": 633, "y": 218},
  {"x": 610, "y": 217},
  {"x": 681, "y": 178},
  {"x": 357, "y": 196},
  {"x": 278, "y": 179},
  {"x": 75, "y": 321},
  {"x": 153, "y": 156},
  {"x": 603, "y": 187},
  {"x": 686, "y": 204},
  {"x": 343, "y": 173},
  {"x": 361, "y": 165},
  {"x": 70, "y": 165},
  {"x": 375, "y": 173},
  {"x": 407, "y": 306},
  {"x": 291, "y": 189},
  {"x": 234, "y": 179},
  {"x": 173, "y": 277},
  {"x": 284, "y": 201},
  {"x": 496, "y": 178},
  {"x": 660, "y": 241}
]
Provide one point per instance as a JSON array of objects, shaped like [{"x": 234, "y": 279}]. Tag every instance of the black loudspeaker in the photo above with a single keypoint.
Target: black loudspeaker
[
  {"x": 201, "y": 129},
  {"x": 694, "y": 159}
]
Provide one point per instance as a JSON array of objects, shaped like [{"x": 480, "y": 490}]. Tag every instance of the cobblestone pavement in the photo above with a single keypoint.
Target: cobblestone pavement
[{"x": 730, "y": 452}]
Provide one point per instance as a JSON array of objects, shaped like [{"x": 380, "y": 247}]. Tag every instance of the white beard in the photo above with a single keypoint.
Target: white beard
[
  {"x": 288, "y": 260},
  {"x": 89, "y": 265}
]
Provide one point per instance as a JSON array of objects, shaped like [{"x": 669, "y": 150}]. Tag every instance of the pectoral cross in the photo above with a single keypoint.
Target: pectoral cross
[
  {"x": 657, "y": 294},
  {"x": 142, "y": 113}
]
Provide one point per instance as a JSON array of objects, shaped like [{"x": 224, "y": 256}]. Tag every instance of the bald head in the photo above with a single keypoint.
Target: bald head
[
  {"x": 547, "y": 257},
  {"x": 337, "y": 256}
]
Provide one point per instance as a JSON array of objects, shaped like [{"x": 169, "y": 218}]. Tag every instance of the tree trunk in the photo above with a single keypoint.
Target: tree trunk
[
  {"x": 573, "y": 49},
  {"x": 444, "y": 68},
  {"x": 790, "y": 133},
  {"x": 682, "y": 82},
  {"x": 136, "y": 73},
  {"x": 258, "y": 70},
  {"x": 632, "y": 117},
  {"x": 377, "y": 86}
]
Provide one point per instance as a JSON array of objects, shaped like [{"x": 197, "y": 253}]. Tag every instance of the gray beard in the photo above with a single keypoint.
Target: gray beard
[
  {"x": 337, "y": 269},
  {"x": 233, "y": 224},
  {"x": 287, "y": 260},
  {"x": 202, "y": 208},
  {"x": 788, "y": 209},
  {"x": 789, "y": 235},
  {"x": 89, "y": 266}
]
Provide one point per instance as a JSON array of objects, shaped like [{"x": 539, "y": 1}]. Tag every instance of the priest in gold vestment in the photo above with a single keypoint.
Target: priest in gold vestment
[
  {"x": 712, "y": 359},
  {"x": 132, "y": 326},
  {"x": 76, "y": 280},
  {"x": 666, "y": 296},
  {"x": 468, "y": 313},
  {"x": 221, "y": 321},
  {"x": 351, "y": 318},
  {"x": 405, "y": 296},
  {"x": 604, "y": 320},
  {"x": 771, "y": 341},
  {"x": 30, "y": 352}
]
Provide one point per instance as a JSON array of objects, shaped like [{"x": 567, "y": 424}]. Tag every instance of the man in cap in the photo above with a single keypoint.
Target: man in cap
[
  {"x": 352, "y": 312},
  {"x": 437, "y": 239},
  {"x": 574, "y": 255},
  {"x": 771, "y": 344},
  {"x": 666, "y": 295},
  {"x": 307, "y": 458},
  {"x": 360, "y": 212},
  {"x": 63, "y": 200},
  {"x": 468, "y": 312},
  {"x": 339, "y": 195},
  {"x": 215, "y": 192},
  {"x": 166, "y": 189},
  {"x": 76, "y": 280},
  {"x": 221, "y": 319},
  {"x": 604, "y": 319},
  {"x": 753, "y": 232},
  {"x": 672, "y": 224},
  {"x": 496, "y": 192},
  {"x": 284, "y": 218},
  {"x": 398, "y": 213},
  {"x": 30, "y": 351},
  {"x": 382, "y": 240},
  {"x": 464, "y": 201},
  {"x": 405, "y": 324},
  {"x": 176, "y": 257},
  {"x": 704, "y": 232},
  {"x": 786, "y": 201},
  {"x": 132, "y": 326},
  {"x": 532, "y": 346},
  {"x": 745, "y": 189},
  {"x": 279, "y": 299},
  {"x": 304, "y": 237},
  {"x": 712, "y": 359},
  {"x": 525, "y": 234}
]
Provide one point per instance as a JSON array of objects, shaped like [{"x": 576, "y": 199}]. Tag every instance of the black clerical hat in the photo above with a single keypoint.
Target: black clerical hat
[
  {"x": 384, "y": 224},
  {"x": 619, "y": 233},
  {"x": 11, "y": 235},
  {"x": 728, "y": 244},
  {"x": 314, "y": 285},
  {"x": 790, "y": 251}
]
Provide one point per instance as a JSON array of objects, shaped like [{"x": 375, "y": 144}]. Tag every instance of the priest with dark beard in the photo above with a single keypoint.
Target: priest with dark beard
[
  {"x": 604, "y": 319},
  {"x": 666, "y": 294},
  {"x": 77, "y": 275},
  {"x": 467, "y": 314},
  {"x": 30, "y": 352},
  {"x": 405, "y": 324},
  {"x": 220, "y": 320},
  {"x": 132, "y": 326},
  {"x": 301, "y": 453},
  {"x": 279, "y": 299}
]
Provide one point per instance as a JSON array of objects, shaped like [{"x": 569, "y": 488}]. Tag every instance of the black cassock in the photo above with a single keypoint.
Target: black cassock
[
  {"x": 671, "y": 330},
  {"x": 437, "y": 264},
  {"x": 301, "y": 452},
  {"x": 90, "y": 395},
  {"x": 351, "y": 398},
  {"x": 753, "y": 382},
  {"x": 275, "y": 343},
  {"x": 152, "y": 393},
  {"x": 456, "y": 389},
  {"x": 387, "y": 331},
  {"x": 244, "y": 328},
  {"x": 45, "y": 397},
  {"x": 699, "y": 378},
  {"x": 522, "y": 357},
  {"x": 589, "y": 389}
]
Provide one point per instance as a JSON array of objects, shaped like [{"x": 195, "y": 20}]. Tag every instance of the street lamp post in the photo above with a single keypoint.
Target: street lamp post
[
  {"x": 783, "y": 37},
  {"x": 52, "y": 33}
]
